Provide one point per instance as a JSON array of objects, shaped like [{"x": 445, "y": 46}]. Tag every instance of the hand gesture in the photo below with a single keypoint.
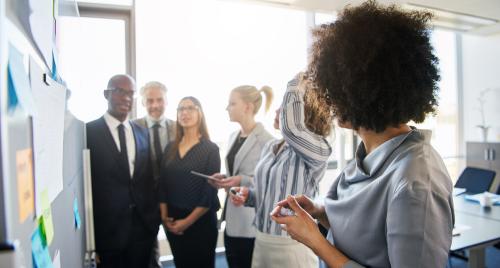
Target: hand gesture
[
  {"x": 305, "y": 202},
  {"x": 238, "y": 195},
  {"x": 228, "y": 182},
  {"x": 301, "y": 226},
  {"x": 218, "y": 177}
]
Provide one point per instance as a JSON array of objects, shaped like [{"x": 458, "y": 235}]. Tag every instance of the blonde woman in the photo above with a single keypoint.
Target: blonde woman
[{"x": 241, "y": 159}]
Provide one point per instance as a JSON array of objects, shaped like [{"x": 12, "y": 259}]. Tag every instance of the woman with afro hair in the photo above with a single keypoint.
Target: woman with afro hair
[{"x": 392, "y": 206}]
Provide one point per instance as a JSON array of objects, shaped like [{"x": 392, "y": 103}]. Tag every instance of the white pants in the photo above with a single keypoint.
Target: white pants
[{"x": 278, "y": 251}]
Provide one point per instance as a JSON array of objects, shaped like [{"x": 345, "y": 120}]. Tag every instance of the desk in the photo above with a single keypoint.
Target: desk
[
  {"x": 470, "y": 207},
  {"x": 484, "y": 231}
]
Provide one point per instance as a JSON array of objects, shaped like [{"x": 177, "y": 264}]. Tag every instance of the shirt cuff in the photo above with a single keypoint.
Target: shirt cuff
[
  {"x": 251, "y": 198},
  {"x": 246, "y": 181}
]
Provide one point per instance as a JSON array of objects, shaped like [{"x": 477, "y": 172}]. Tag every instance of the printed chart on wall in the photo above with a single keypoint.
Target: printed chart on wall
[{"x": 48, "y": 133}]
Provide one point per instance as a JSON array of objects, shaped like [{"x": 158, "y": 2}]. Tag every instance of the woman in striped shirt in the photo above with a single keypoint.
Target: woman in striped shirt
[{"x": 292, "y": 165}]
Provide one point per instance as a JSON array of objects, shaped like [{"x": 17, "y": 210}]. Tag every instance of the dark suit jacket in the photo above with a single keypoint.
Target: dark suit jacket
[
  {"x": 114, "y": 192},
  {"x": 171, "y": 128}
]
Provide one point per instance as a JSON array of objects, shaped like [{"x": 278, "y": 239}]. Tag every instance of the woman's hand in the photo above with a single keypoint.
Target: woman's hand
[
  {"x": 238, "y": 195},
  {"x": 301, "y": 226},
  {"x": 228, "y": 182},
  {"x": 178, "y": 226},
  {"x": 305, "y": 202},
  {"x": 215, "y": 183}
]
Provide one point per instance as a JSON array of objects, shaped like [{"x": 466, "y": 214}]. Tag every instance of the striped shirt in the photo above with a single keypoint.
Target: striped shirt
[{"x": 296, "y": 169}]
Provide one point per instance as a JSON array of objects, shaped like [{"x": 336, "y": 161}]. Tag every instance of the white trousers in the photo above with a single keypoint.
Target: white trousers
[{"x": 277, "y": 251}]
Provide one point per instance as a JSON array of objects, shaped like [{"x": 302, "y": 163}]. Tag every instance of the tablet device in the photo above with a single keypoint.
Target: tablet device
[{"x": 203, "y": 175}]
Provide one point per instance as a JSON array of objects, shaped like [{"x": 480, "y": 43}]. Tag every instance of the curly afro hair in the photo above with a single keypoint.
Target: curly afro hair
[{"x": 375, "y": 66}]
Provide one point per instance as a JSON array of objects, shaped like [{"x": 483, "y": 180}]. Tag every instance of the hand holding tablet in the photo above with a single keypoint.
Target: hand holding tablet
[{"x": 204, "y": 176}]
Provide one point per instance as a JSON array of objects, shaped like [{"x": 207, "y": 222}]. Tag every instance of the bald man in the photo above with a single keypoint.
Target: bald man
[{"x": 126, "y": 213}]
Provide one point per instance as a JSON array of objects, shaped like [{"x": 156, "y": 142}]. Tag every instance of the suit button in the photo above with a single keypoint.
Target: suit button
[{"x": 131, "y": 206}]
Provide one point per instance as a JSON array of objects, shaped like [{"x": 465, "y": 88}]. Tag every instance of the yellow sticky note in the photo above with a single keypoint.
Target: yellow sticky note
[
  {"x": 47, "y": 216},
  {"x": 25, "y": 191}
]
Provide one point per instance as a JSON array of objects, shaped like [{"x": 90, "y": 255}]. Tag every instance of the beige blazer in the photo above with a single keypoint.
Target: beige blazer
[{"x": 239, "y": 220}]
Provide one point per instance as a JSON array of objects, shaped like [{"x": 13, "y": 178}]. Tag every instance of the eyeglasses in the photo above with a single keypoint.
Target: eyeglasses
[
  {"x": 122, "y": 92},
  {"x": 189, "y": 109}
]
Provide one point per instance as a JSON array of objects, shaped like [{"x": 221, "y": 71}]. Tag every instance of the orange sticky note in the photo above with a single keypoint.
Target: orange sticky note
[{"x": 25, "y": 191}]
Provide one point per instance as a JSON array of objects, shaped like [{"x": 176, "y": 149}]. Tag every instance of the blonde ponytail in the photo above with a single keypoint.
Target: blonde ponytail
[{"x": 268, "y": 92}]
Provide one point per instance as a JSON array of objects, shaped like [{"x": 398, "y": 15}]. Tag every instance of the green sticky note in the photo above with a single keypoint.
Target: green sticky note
[{"x": 47, "y": 216}]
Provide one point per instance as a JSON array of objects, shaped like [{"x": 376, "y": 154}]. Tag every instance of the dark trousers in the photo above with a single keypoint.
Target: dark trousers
[
  {"x": 196, "y": 246},
  {"x": 138, "y": 252},
  {"x": 155, "y": 256},
  {"x": 239, "y": 251}
]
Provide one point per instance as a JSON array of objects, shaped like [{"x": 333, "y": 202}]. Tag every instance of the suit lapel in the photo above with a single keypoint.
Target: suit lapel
[
  {"x": 142, "y": 122},
  {"x": 246, "y": 147},
  {"x": 141, "y": 154},
  {"x": 232, "y": 139},
  {"x": 170, "y": 130}
]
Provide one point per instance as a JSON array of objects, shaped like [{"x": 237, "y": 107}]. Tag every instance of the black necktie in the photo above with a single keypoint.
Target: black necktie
[
  {"x": 157, "y": 143},
  {"x": 123, "y": 146}
]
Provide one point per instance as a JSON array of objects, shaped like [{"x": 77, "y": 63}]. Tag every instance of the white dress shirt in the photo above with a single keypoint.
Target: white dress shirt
[{"x": 113, "y": 124}]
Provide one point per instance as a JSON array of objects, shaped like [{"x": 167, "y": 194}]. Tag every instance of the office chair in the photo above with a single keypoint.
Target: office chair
[{"x": 475, "y": 180}]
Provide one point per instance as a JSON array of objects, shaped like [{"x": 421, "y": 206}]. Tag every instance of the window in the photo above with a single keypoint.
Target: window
[
  {"x": 113, "y": 2},
  {"x": 444, "y": 125},
  {"x": 91, "y": 51},
  {"x": 207, "y": 48}
]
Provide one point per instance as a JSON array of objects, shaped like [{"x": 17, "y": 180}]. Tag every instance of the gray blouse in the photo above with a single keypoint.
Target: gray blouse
[{"x": 393, "y": 207}]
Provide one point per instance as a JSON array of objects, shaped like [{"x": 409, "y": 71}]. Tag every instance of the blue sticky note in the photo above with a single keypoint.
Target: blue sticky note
[
  {"x": 19, "y": 83},
  {"x": 39, "y": 252},
  {"x": 54, "y": 68},
  {"x": 76, "y": 214},
  {"x": 12, "y": 100}
]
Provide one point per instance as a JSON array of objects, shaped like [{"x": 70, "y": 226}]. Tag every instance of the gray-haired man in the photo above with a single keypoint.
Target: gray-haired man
[{"x": 161, "y": 132}]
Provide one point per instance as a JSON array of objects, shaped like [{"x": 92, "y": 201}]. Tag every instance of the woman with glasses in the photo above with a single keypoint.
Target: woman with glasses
[
  {"x": 188, "y": 204},
  {"x": 241, "y": 159}
]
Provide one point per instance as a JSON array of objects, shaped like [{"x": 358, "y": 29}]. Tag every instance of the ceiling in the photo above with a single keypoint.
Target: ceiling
[{"x": 480, "y": 17}]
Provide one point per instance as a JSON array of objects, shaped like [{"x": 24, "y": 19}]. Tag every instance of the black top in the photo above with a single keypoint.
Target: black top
[
  {"x": 232, "y": 153},
  {"x": 180, "y": 188}
]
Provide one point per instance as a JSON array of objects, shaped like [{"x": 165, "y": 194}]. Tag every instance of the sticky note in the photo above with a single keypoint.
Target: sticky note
[
  {"x": 39, "y": 251},
  {"x": 19, "y": 84},
  {"x": 76, "y": 213},
  {"x": 48, "y": 227},
  {"x": 25, "y": 190}
]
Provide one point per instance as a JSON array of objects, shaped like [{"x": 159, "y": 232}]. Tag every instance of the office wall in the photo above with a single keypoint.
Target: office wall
[{"x": 481, "y": 70}]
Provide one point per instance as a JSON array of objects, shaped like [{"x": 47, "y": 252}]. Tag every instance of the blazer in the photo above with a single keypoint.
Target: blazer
[
  {"x": 118, "y": 197},
  {"x": 239, "y": 220},
  {"x": 171, "y": 129}
]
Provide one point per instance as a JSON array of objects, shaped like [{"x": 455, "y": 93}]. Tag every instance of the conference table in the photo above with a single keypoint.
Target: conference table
[{"x": 479, "y": 228}]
